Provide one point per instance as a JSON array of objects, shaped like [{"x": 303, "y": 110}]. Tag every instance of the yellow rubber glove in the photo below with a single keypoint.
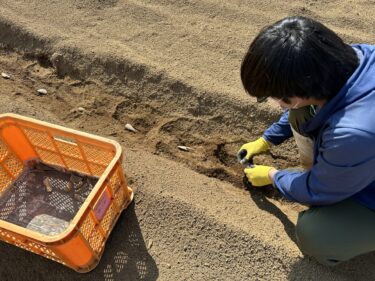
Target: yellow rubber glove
[
  {"x": 258, "y": 175},
  {"x": 252, "y": 148}
]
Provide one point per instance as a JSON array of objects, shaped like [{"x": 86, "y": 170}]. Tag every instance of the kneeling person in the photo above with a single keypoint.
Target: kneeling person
[{"x": 327, "y": 89}]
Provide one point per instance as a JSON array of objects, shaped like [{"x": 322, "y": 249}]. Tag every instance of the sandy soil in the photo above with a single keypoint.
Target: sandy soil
[{"x": 171, "y": 70}]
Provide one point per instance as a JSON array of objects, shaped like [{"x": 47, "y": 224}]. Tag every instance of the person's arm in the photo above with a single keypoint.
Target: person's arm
[
  {"x": 344, "y": 166},
  {"x": 280, "y": 131}
]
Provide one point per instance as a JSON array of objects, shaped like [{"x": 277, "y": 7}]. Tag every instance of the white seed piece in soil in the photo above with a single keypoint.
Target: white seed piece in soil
[
  {"x": 184, "y": 148},
  {"x": 81, "y": 109},
  {"x": 130, "y": 128},
  {"x": 42, "y": 91},
  {"x": 149, "y": 245},
  {"x": 5, "y": 75}
]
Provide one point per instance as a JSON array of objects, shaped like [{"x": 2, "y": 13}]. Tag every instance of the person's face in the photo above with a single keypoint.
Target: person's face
[{"x": 291, "y": 103}]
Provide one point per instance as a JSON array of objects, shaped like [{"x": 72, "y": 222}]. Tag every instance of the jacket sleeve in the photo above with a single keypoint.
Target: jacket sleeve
[
  {"x": 344, "y": 166},
  {"x": 279, "y": 131}
]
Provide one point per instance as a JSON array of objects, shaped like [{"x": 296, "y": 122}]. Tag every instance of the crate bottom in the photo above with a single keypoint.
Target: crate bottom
[{"x": 44, "y": 198}]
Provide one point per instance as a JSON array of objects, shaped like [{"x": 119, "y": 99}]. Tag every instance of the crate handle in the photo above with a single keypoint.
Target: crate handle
[{"x": 65, "y": 140}]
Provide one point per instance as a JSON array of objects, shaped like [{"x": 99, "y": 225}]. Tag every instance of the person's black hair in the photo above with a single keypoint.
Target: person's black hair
[{"x": 297, "y": 57}]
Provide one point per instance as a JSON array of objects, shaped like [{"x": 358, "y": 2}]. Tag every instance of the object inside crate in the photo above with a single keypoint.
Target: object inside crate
[{"x": 45, "y": 198}]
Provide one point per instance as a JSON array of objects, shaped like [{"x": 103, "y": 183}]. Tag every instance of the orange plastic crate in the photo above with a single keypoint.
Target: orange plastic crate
[{"x": 81, "y": 244}]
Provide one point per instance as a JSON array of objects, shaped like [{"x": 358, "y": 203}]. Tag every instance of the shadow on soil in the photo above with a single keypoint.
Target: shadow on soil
[
  {"x": 260, "y": 199},
  {"x": 125, "y": 258}
]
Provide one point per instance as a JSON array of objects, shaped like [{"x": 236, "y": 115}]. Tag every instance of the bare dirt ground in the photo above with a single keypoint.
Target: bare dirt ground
[{"x": 171, "y": 69}]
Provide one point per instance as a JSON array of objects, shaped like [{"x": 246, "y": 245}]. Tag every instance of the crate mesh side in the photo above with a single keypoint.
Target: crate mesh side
[
  {"x": 97, "y": 155},
  {"x": 96, "y": 241},
  {"x": 117, "y": 203},
  {"x": 49, "y": 157},
  {"x": 5, "y": 180},
  {"x": 39, "y": 138},
  {"x": 91, "y": 234},
  {"x": 119, "y": 189},
  {"x": 115, "y": 182},
  {"x": 3, "y": 150},
  {"x": 108, "y": 219},
  {"x": 87, "y": 227},
  {"x": 45, "y": 251},
  {"x": 39, "y": 250},
  {"x": 11, "y": 163},
  {"x": 69, "y": 149},
  {"x": 5, "y": 236},
  {"x": 14, "y": 165},
  {"x": 97, "y": 170},
  {"x": 76, "y": 165},
  {"x": 30, "y": 246},
  {"x": 120, "y": 198}
]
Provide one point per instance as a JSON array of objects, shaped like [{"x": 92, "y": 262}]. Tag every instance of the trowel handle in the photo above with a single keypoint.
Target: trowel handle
[
  {"x": 247, "y": 163},
  {"x": 241, "y": 155}
]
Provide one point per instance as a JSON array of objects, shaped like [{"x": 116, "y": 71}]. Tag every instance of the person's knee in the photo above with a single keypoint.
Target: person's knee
[
  {"x": 313, "y": 240},
  {"x": 305, "y": 233}
]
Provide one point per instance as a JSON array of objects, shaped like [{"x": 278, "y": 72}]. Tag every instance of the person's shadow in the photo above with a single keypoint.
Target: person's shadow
[
  {"x": 125, "y": 258},
  {"x": 306, "y": 268},
  {"x": 259, "y": 196}
]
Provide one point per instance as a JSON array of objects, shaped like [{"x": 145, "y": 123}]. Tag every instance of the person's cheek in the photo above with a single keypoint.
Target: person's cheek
[{"x": 297, "y": 105}]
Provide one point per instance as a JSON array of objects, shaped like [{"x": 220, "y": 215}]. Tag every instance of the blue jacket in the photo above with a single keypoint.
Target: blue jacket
[{"x": 343, "y": 131}]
